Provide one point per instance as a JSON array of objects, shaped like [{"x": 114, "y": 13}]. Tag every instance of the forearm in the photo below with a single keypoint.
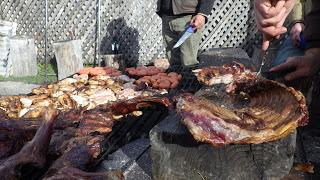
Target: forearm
[{"x": 297, "y": 14}]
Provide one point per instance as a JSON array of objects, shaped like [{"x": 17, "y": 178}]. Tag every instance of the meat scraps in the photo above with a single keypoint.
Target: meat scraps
[
  {"x": 33, "y": 153},
  {"x": 225, "y": 74},
  {"x": 256, "y": 110}
]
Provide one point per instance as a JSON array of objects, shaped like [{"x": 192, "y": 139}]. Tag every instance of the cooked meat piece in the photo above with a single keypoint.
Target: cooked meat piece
[
  {"x": 14, "y": 133},
  {"x": 33, "y": 153},
  {"x": 75, "y": 174},
  {"x": 223, "y": 74},
  {"x": 258, "y": 110},
  {"x": 68, "y": 119},
  {"x": 95, "y": 121},
  {"x": 59, "y": 140},
  {"x": 3, "y": 115},
  {"x": 72, "y": 165},
  {"x": 162, "y": 63}
]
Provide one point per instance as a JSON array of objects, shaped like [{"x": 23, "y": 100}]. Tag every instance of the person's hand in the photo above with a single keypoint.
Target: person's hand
[
  {"x": 270, "y": 16},
  {"x": 198, "y": 21},
  {"x": 296, "y": 29},
  {"x": 304, "y": 66}
]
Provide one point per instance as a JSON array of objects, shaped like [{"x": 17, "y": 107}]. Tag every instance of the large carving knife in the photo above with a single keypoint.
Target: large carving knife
[{"x": 189, "y": 31}]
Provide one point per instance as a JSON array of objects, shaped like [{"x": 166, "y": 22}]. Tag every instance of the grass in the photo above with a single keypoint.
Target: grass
[{"x": 39, "y": 79}]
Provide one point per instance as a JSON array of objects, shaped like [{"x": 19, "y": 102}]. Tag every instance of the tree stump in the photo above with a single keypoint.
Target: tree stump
[
  {"x": 69, "y": 57},
  {"x": 23, "y": 57},
  {"x": 176, "y": 155}
]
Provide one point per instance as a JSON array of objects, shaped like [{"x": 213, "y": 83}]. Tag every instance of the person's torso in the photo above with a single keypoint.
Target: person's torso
[{"x": 178, "y": 6}]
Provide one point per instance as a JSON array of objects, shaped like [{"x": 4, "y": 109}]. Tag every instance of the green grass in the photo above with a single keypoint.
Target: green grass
[{"x": 39, "y": 79}]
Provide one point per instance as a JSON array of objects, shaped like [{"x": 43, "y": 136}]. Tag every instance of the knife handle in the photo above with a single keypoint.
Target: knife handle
[{"x": 190, "y": 29}]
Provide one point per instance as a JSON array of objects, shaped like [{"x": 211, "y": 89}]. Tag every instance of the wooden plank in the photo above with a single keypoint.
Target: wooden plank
[{"x": 69, "y": 57}]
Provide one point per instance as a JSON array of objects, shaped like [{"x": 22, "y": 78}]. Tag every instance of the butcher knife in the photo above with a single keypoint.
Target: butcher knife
[{"x": 189, "y": 31}]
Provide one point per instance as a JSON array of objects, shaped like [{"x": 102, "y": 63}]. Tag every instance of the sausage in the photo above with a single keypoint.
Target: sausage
[
  {"x": 174, "y": 84},
  {"x": 173, "y": 74},
  {"x": 164, "y": 84},
  {"x": 116, "y": 73},
  {"x": 162, "y": 74},
  {"x": 85, "y": 70}
]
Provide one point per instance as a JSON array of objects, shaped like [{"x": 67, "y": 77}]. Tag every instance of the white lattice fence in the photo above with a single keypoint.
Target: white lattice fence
[{"x": 133, "y": 23}]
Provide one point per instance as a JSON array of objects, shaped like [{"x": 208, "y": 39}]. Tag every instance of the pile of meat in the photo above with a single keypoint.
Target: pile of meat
[
  {"x": 161, "y": 80},
  {"x": 80, "y": 91},
  {"x": 239, "y": 107},
  {"x": 69, "y": 142},
  {"x": 95, "y": 71},
  {"x": 144, "y": 71}
]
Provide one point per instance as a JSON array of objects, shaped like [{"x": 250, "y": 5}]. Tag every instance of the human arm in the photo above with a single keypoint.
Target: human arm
[
  {"x": 303, "y": 66},
  {"x": 296, "y": 21},
  {"x": 270, "y": 17},
  {"x": 309, "y": 64},
  {"x": 203, "y": 11}
]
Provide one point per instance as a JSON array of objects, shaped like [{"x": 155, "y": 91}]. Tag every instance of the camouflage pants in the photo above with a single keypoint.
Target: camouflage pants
[{"x": 172, "y": 29}]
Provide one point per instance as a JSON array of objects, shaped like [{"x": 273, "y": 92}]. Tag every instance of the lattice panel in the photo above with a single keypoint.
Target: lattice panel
[{"x": 133, "y": 23}]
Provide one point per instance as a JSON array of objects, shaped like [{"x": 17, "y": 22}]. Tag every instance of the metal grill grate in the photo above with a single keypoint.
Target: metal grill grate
[{"x": 130, "y": 129}]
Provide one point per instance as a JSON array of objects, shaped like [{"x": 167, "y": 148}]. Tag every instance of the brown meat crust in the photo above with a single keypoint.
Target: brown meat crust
[{"x": 257, "y": 111}]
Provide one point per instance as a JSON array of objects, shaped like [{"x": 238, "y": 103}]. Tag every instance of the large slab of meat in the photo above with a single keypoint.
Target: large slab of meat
[{"x": 242, "y": 109}]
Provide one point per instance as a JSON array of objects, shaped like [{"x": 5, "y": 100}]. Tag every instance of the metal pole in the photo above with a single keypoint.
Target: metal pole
[
  {"x": 46, "y": 42},
  {"x": 98, "y": 28}
]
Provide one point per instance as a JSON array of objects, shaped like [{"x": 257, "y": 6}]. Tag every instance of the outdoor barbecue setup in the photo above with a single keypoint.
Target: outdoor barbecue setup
[{"x": 208, "y": 122}]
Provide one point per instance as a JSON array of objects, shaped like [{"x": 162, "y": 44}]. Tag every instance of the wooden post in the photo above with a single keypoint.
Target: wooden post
[
  {"x": 69, "y": 57},
  {"x": 22, "y": 57}
]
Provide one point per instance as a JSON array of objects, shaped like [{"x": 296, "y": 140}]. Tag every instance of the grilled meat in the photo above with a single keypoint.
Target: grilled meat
[
  {"x": 224, "y": 74},
  {"x": 255, "y": 111},
  {"x": 14, "y": 134},
  {"x": 72, "y": 165},
  {"x": 33, "y": 153}
]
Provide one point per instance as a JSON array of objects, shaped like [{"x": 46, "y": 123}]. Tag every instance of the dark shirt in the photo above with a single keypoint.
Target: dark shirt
[
  {"x": 312, "y": 21},
  {"x": 166, "y": 7}
]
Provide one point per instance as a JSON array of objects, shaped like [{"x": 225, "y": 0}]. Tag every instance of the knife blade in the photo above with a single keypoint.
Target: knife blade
[{"x": 189, "y": 31}]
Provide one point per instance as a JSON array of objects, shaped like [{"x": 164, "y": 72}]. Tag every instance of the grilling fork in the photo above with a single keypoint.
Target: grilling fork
[{"x": 264, "y": 54}]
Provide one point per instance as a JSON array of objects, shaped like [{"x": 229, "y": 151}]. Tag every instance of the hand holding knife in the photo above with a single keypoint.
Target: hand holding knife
[{"x": 189, "y": 31}]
